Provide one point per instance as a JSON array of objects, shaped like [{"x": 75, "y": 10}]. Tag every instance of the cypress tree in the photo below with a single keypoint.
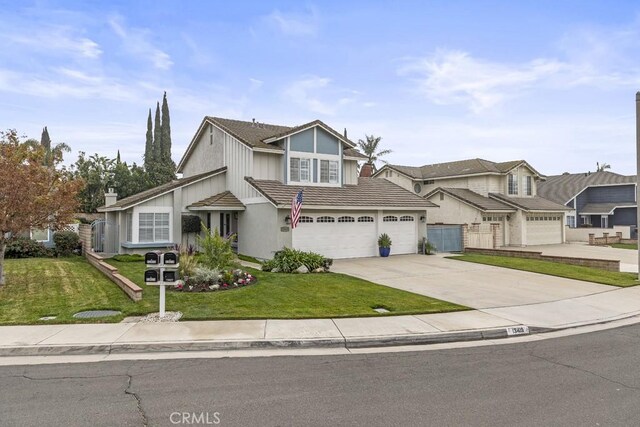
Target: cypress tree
[
  {"x": 148, "y": 147},
  {"x": 166, "y": 132},
  {"x": 157, "y": 137},
  {"x": 45, "y": 141},
  {"x": 118, "y": 158}
]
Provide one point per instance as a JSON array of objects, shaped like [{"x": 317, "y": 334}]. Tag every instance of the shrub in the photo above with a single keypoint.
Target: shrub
[
  {"x": 66, "y": 242},
  {"x": 191, "y": 224},
  {"x": 188, "y": 264},
  {"x": 128, "y": 258},
  {"x": 204, "y": 275},
  {"x": 23, "y": 247},
  {"x": 216, "y": 250},
  {"x": 290, "y": 260},
  {"x": 384, "y": 241}
]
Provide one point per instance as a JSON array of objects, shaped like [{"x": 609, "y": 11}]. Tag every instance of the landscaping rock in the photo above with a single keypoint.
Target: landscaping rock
[{"x": 169, "y": 316}]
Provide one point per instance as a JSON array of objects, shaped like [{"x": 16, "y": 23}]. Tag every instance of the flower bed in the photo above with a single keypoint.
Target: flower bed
[{"x": 225, "y": 280}]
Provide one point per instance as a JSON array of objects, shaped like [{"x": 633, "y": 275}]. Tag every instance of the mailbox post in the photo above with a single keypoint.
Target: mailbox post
[{"x": 162, "y": 269}]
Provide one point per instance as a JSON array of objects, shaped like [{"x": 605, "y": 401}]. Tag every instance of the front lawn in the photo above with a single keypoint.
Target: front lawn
[
  {"x": 625, "y": 246},
  {"x": 576, "y": 272},
  {"x": 41, "y": 287}
]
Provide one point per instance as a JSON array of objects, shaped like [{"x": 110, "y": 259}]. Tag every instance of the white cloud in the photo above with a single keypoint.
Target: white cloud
[
  {"x": 306, "y": 93},
  {"x": 136, "y": 42},
  {"x": 295, "y": 24},
  {"x": 455, "y": 77},
  {"x": 57, "y": 39}
]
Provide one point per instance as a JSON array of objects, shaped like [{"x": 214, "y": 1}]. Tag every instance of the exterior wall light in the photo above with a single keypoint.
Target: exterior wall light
[{"x": 287, "y": 219}]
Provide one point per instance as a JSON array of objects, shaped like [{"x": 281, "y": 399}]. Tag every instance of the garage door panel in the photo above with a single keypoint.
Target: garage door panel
[
  {"x": 542, "y": 230},
  {"x": 402, "y": 233}
]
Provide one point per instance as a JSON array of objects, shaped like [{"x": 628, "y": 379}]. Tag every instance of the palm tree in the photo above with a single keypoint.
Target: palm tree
[
  {"x": 370, "y": 149},
  {"x": 601, "y": 167}
]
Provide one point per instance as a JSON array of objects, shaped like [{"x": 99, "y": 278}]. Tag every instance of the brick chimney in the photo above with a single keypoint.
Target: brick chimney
[
  {"x": 110, "y": 197},
  {"x": 366, "y": 170}
]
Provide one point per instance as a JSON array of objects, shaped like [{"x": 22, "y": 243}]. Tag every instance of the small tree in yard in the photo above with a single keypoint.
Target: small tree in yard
[
  {"x": 35, "y": 192},
  {"x": 216, "y": 250}
]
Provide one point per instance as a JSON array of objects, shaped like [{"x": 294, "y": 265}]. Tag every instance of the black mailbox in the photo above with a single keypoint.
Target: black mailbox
[
  {"x": 152, "y": 275},
  {"x": 171, "y": 258},
  {"x": 153, "y": 258},
  {"x": 169, "y": 276}
]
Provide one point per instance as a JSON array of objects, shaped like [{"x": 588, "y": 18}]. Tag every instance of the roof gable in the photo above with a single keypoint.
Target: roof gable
[{"x": 563, "y": 188}]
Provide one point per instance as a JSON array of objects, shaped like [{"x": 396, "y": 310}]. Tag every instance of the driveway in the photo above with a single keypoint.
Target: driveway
[
  {"x": 628, "y": 258},
  {"x": 474, "y": 285}
]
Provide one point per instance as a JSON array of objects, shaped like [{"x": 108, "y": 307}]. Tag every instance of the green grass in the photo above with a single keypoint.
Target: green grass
[
  {"x": 625, "y": 246},
  {"x": 586, "y": 274},
  {"x": 61, "y": 287},
  {"x": 248, "y": 258}
]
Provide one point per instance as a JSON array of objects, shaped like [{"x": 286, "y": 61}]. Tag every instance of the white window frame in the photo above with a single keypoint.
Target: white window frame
[
  {"x": 332, "y": 171},
  {"x": 151, "y": 209},
  {"x": 48, "y": 230},
  {"x": 512, "y": 184},
  {"x": 335, "y": 165},
  {"x": 586, "y": 219},
  {"x": 527, "y": 185},
  {"x": 604, "y": 221},
  {"x": 129, "y": 223},
  {"x": 571, "y": 221},
  {"x": 304, "y": 164}
]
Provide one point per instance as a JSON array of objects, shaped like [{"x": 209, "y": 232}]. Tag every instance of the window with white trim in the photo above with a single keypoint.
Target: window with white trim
[
  {"x": 527, "y": 186},
  {"x": 329, "y": 171},
  {"x": 390, "y": 218},
  {"x": 40, "y": 234},
  {"x": 512, "y": 184},
  {"x": 365, "y": 219},
  {"x": 299, "y": 169},
  {"x": 586, "y": 219},
  {"x": 153, "y": 227},
  {"x": 346, "y": 219},
  {"x": 326, "y": 219},
  {"x": 406, "y": 218},
  {"x": 305, "y": 219}
]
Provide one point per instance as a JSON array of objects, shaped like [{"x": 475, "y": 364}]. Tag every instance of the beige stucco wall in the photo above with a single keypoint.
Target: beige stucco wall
[
  {"x": 517, "y": 229},
  {"x": 259, "y": 227},
  {"x": 452, "y": 211},
  {"x": 399, "y": 179},
  {"x": 268, "y": 166},
  {"x": 207, "y": 154},
  {"x": 202, "y": 189},
  {"x": 350, "y": 172}
]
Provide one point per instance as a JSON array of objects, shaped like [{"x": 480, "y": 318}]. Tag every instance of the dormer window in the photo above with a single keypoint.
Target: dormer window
[
  {"x": 512, "y": 184},
  {"x": 299, "y": 169}
]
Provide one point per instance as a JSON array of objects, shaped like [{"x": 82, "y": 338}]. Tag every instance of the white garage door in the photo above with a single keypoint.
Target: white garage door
[
  {"x": 544, "y": 229},
  {"x": 338, "y": 235},
  {"x": 402, "y": 230}
]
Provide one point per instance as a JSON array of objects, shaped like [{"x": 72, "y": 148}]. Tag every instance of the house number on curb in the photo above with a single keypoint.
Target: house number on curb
[
  {"x": 517, "y": 330},
  {"x": 162, "y": 269}
]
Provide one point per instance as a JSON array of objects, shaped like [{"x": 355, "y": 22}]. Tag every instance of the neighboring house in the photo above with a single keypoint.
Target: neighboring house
[
  {"x": 241, "y": 177},
  {"x": 480, "y": 192},
  {"x": 596, "y": 199}
]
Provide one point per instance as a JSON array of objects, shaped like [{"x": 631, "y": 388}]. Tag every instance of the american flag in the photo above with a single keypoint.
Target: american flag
[{"x": 296, "y": 207}]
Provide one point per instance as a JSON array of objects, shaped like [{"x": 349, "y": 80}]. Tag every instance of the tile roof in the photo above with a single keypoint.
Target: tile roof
[
  {"x": 471, "y": 197},
  {"x": 457, "y": 168},
  {"x": 156, "y": 191},
  {"x": 251, "y": 133},
  {"x": 225, "y": 199},
  {"x": 370, "y": 192},
  {"x": 535, "y": 203},
  {"x": 604, "y": 208},
  {"x": 352, "y": 152},
  {"x": 562, "y": 188}
]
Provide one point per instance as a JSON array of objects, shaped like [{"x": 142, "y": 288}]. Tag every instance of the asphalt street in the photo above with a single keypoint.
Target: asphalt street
[{"x": 581, "y": 380}]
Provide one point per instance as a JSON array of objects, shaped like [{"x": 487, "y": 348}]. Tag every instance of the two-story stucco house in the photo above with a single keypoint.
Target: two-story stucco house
[
  {"x": 241, "y": 177},
  {"x": 478, "y": 191},
  {"x": 599, "y": 199}
]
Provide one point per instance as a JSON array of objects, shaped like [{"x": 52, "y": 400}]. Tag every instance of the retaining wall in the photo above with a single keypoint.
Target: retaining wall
[{"x": 131, "y": 289}]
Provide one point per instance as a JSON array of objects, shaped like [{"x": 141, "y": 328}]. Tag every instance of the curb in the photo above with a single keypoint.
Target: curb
[{"x": 175, "y": 346}]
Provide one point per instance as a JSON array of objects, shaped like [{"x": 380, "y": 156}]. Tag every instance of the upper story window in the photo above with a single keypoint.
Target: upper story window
[
  {"x": 299, "y": 169},
  {"x": 417, "y": 188},
  {"x": 512, "y": 184},
  {"x": 527, "y": 186},
  {"x": 329, "y": 171}
]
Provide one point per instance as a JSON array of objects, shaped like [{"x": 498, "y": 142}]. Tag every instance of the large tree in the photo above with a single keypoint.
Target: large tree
[
  {"x": 45, "y": 196},
  {"x": 148, "y": 147},
  {"x": 157, "y": 137},
  {"x": 97, "y": 173},
  {"x": 371, "y": 148}
]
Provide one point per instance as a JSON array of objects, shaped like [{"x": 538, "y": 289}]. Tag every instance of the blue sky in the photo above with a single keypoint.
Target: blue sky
[{"x": 552, "y": 82}]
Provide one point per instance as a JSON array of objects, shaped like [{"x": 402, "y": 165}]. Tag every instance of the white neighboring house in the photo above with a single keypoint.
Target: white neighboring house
[
  {"x": 241, "y": 177},
  {"x": 482, "y": 192}
]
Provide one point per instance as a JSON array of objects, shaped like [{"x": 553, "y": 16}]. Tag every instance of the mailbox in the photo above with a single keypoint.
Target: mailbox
[
  {"x": 171, "y": 258},
  {"x": 152, "y": 275},
  {"x": 169, "y": 276},
  {"x": 153, "y": 258}
]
